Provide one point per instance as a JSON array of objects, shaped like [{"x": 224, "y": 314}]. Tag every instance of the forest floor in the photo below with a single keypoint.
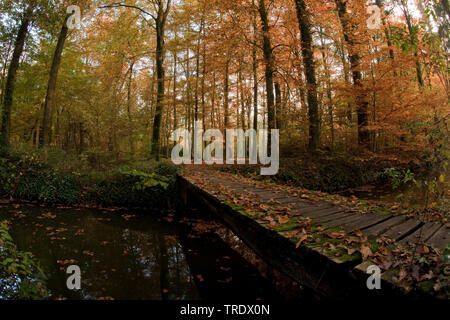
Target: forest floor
[
  {"x": 333, "y": 172},
  {"x": 412, "y": 249}
]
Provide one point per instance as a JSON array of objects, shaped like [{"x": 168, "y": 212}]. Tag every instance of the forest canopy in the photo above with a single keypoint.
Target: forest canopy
[{"x": 330, "y": 74}]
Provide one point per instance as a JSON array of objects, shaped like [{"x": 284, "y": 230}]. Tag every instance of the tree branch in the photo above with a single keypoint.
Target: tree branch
[{"x": 117, "y": 5}]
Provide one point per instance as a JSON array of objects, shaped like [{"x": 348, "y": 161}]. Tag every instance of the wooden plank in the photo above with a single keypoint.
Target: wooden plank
[
  {"x": 288, "y": 200},
  {"x": 440, "y": 239},
  {"x": 299, "y": 206},
  {"x": 402, "y": 230},
  {"x": 267, "y": 195},
  {"x": 335, "y": 216},
  {"x": 379, "y": 228},
  {"x": 423, "y": 234},
  {"x": 320, "y": 212},
  {"x": 340, "y": 221},
  {"x": 364, "y": 221}
]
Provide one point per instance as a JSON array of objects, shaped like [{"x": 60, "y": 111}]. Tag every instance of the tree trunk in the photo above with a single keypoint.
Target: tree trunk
[
  {"x": 175, "y": 119},
  {"x": 204, "y": 87},
  {"x": 242, "y": 97},
  {"x": 197, "y": 70},
  {"x": 227, "y": 94},
  {"x": 310, "y": 72},
  {"x": 129, "y": 104},
  {"x": 51, "y": 88},
  {"x": 269, "y": 61},
  {"x": 255, "y": 72},
  {"x": 329, "y": 91},
  {"x": 362, "y": 104},
  {"x": 419, "y": 72},
  {"x": 380, "y": 4},
  {"x": 5, "y": 134},
  {"x": 160, "y": 48},
  {"x": 278, "y": 103}
]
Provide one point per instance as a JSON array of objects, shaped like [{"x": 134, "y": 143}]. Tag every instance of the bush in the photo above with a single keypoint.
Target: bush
[
  {"x": 26, "y": 177},
  {"x": 132, "y": 188},
  {"x": 20, "y": 276}
]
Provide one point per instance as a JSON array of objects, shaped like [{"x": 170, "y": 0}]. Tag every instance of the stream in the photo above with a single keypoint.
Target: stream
[{"x": 144, "y": 255}]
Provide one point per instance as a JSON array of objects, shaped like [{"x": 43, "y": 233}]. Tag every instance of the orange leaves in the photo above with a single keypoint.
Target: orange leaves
[
  {"x": 66, "y": 262},
  {"x": 336, "y": 235},
  {"x": 200, "y": 278},
  {"x": 303, "y": 238},
  {"x": 358, "y": 233},
  {"x": 47, "y": 215},
  {"x": 366, "y": 252},
  {"x": 283, "y": 219}
]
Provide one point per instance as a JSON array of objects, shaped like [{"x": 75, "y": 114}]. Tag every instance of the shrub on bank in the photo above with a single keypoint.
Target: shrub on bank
[
  {"x": 24, "y": 176},
  {"x": 20, "y": 275},
  {"x": 131, "y": 188}
]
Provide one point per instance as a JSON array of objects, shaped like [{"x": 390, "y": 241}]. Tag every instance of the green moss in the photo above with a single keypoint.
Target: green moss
[
  {"x": 374, "y": 245},
  {"x": 343, "y": 255},
  {"x": 426, "y": 286},
  {"x": 236, "y": 207},
  {"x": 288, "y": 227},
  {"x": 382, "y": 211},
  {"x": 350, "y": 258},
  {"x": 320, "y": 239}
]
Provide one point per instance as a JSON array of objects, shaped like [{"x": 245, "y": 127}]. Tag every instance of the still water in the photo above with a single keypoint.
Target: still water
[{"x": 144, "y": 255}]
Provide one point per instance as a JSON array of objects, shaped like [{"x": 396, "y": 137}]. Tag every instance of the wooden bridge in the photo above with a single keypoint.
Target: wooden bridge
[{"x": 232, "y": 193}]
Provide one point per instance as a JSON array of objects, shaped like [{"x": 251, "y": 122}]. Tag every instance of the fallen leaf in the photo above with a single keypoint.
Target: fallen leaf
[
  {"x": 283, "y": 219},
  {"x": 200, "y": 278},
  {"x": 366, "y": 252}
]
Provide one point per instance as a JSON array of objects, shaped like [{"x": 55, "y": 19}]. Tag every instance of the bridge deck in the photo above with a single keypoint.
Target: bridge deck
[{"x": 399, "y": 228}]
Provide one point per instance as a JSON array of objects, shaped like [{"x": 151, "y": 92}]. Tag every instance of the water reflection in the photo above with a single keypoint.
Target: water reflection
[{"x": 134, "y": 256}]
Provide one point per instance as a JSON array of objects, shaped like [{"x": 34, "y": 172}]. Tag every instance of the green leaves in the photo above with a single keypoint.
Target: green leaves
[
  {"x": 398, "y": 178},
  {"x": 20, "y": 275},
  {"x": 147, "y": 180}
]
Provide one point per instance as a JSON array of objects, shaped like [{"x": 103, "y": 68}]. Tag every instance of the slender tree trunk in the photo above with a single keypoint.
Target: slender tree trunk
[
  {"x": 310, "y": 72},
  {"x": 279, "y": 105},
  {"x": 329, "y": 92},
  {"x": 5, "y": 134},
  {"x": 255, "y": 71},
  {"x": 188, "y": 90},
  {"x": 242, "y": 99},
  {"x": 129, "y": 104},
  {"x": 226, "y": 94},
  {"x": 5, "y": 69},
  {"x": 380, "y": 4},
  {"x": 160, "y": 52},
  {"x": 345, "y": 70},
  {"x": 204, "y": 86},
  {"x": 407, "y": 15},
  {"x": 362, "y": 103},
  {"x": 269, "y": 61},
  {"x": 213, "y": 102},
  {"x": 51, "y": 88},
  {"x": 175, "y": 119}
]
